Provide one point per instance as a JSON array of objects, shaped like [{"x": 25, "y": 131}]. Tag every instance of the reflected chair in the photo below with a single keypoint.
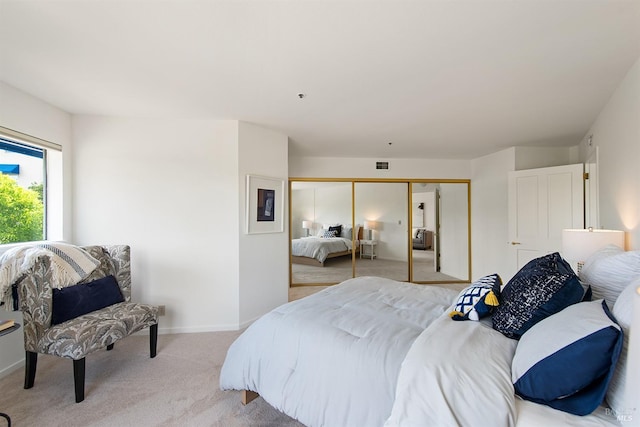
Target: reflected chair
[{"x": 423, "y": 239}]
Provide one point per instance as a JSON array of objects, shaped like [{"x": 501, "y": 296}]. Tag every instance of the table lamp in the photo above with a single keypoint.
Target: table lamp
[
  {"x": 307, "y": 225},
  {"x": 580, "y": 244}
]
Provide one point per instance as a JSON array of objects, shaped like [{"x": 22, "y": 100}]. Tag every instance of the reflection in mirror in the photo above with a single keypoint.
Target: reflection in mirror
[
  {"x": 381, "y": 207},
  {"x": 440, "y": 232},
  {"x": 379, "y": 243},
  {"x": 317, "y": 254}
]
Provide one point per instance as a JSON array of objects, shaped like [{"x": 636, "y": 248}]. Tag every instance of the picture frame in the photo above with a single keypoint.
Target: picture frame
[{"x": 265, "y": 205}]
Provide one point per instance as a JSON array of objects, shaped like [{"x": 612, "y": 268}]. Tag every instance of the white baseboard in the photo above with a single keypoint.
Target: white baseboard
[{"x": 12, "y": 368}]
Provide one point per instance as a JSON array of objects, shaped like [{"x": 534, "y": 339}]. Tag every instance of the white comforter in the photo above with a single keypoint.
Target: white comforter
[
  {"x": 372, "y": 352},
  {"x": 332, "y": 359},
  {"x": 319, "y": 247},
  {"x": 456, "y": 374}
]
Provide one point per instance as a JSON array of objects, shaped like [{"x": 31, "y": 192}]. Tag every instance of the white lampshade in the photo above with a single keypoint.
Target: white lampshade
[
  {"x": 369, "y": 226},
  {"x": 307, "y": 224},
  {"x": 578, "y": 245}
]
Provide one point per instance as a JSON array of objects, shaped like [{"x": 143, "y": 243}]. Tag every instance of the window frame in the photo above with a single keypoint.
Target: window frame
[{"x": 46, "y": 146}]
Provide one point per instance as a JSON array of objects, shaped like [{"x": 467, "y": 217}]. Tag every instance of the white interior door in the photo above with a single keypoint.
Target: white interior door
[{"x": 542, "y": 202}]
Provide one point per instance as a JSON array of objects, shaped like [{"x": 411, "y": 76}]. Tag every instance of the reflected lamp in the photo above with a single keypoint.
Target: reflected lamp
[
  {"x": 306, "y": 225},
  {"x": 369, "y": 226}
]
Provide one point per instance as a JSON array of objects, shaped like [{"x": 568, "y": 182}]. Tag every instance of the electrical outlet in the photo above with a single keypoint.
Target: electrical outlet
[{"x": 161, "y": 310}]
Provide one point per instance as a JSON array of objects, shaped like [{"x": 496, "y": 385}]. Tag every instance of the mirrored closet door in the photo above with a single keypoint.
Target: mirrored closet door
[
  {"x": 406, "y": 230},
  {"x": 322, "y": 237},
  {"x": 382, "y": 208},
  {"x": 440, "y": 249}
]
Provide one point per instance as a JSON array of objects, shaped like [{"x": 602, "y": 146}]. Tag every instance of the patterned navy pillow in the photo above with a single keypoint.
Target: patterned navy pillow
[
  {"x": 337, "y": 229},
  {"x": 478, "y": 300},
  {"x": 541, "y": 288}
]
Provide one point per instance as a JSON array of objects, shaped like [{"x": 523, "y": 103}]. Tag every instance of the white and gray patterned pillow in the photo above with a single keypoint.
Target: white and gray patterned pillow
[{"x": 329, "y": 234}]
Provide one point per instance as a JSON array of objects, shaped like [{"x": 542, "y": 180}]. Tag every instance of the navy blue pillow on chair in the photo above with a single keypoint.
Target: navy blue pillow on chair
[{"x": 74, "y": 301}]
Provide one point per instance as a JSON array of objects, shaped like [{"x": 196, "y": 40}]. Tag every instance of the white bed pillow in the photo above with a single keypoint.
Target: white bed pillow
[
  {"x": 623, "y": 312},
  {"x": 609, "y": 271},
  {"x": 346, "y": 232}
]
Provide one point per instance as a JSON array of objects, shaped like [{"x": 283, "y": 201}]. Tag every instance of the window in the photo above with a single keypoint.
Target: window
[{"x": 24, "y": 189}]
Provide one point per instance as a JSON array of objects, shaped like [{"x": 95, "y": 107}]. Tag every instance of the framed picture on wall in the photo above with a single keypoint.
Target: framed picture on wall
[{"x": 265, "y": 205}]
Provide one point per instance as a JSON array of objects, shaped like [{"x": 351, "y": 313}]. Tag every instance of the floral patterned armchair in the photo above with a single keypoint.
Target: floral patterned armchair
[{"x": 80, "y": 336}]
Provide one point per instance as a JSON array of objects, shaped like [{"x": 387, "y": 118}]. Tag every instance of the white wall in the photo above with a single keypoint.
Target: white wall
[
  {"x": 169, "y": 189},
  {"x": 454, "y": 226},
  {"x": 332, "y": 204},
  {"x": 386, "y": 205},
  {"x": 26, "y": 114},
  {"x": 489, "y": 203},
  {"x": 544, "y": 157},
  {"x": 175, "y": 190},
  {"x": 263, "y": 258},
  {"x": 616, "y": 132},
  {"x": 323, "y": 203},
  {"x": 302, "y": 209},
  {"x": 338, "y": 167},
  {"x": 489, "y": 231}
]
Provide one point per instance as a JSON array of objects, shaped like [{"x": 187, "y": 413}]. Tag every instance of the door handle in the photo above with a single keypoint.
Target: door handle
[{"x": 516, "y": 243}]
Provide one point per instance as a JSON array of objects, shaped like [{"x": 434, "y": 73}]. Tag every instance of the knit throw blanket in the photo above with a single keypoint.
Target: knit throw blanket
[{"x": 69, "y": 265}]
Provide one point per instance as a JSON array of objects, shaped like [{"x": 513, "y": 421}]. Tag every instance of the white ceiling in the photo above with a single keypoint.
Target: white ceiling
[{"x": 438, "y": 79}]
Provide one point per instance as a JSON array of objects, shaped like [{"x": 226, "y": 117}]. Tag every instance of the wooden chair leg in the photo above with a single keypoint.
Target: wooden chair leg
[
  {"x": 110, "y": 347},
  {"x": 31, "y": 361},
  {"x": 153, "y": 340},
  {"x": 78, "y": 379}
]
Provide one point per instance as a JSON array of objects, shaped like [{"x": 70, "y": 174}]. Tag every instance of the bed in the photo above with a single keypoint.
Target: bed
[
  {"x": 315, "y": 250},
  {"x": 375, "y": 352}
]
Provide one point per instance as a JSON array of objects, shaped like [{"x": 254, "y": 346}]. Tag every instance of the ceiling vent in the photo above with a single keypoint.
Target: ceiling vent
[{"x": 382, "y": 165}]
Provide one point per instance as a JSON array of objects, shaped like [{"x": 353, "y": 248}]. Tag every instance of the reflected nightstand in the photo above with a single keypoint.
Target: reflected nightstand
[{"x": 373, "y": 248}]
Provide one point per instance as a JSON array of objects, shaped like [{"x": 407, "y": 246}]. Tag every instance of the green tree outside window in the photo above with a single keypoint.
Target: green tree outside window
[{"x": 21, "y": 212}]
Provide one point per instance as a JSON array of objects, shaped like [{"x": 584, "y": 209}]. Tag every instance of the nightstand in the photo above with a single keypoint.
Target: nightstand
[{"x": 373, "y": 248}]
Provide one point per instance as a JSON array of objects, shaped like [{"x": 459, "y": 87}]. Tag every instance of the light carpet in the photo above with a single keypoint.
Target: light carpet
[
  {"x": 336, "y": 270},
  {"x": 124, "y": 387}
]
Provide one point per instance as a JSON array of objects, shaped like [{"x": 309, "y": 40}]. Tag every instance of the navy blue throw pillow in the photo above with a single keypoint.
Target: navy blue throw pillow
[
  {"x": 337, "y": 229},
  {"x": 74, "y": 301},
  {"x": 541, "y": 288}
]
